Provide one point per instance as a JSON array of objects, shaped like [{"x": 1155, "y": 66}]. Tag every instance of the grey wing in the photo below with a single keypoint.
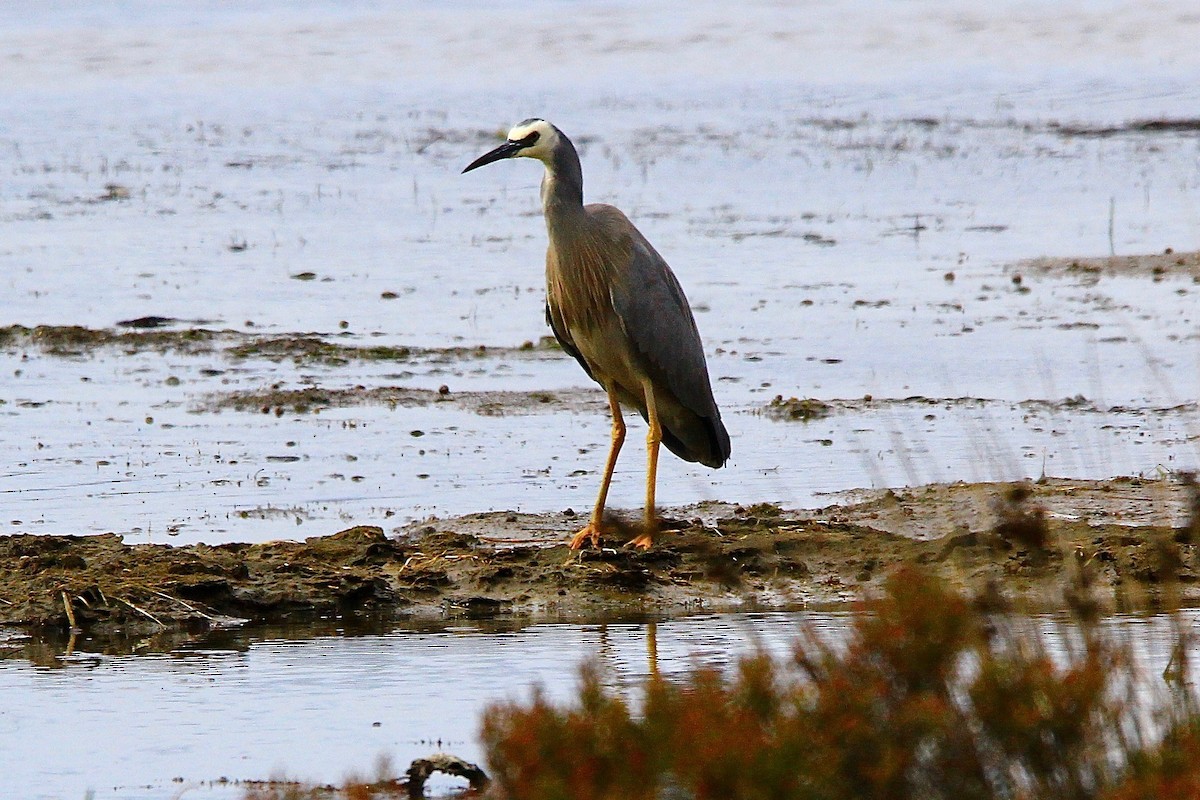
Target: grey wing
[{"x": 658, "y": 322}]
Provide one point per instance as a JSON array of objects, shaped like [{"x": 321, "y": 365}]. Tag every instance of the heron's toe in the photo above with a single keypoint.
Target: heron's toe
[
  {"x": 642, "y": 542},
  {"x": 591, "y": 532}
]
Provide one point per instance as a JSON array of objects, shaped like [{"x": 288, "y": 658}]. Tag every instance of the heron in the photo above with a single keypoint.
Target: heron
[{"x": 615, "y": 306}]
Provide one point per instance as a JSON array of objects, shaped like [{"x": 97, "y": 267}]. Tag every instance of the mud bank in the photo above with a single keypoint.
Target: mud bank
[
  {"x": 1159, "y": 266},
  {"x": 1132, "y": 537},
  {"x": 151, "y": 334}
]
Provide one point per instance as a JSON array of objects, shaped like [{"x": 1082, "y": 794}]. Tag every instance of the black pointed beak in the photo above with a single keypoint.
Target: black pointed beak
[{"x": 506, "y": 150}]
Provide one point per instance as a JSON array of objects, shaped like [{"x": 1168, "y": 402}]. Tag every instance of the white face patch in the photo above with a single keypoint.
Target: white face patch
[{"x": 546, "y": 140}]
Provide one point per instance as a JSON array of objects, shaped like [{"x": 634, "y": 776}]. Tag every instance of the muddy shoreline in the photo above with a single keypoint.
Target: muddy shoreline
[{"x": 1132, "y": 538}]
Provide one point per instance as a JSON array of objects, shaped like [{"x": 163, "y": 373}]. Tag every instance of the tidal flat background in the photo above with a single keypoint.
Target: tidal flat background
[{"x": 848, "y": 192}]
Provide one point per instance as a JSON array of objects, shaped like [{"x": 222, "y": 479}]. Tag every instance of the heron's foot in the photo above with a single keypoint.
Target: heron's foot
[
  {"x": 645, "y": 540},
  {"x": 641, "y": 542},
  {"x": 591, "y": 531}
]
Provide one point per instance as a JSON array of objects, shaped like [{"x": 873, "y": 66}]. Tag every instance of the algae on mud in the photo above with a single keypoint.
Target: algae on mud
[
  {"x": 1159, "y": 266},
  {"x": 303, "y": 348},
  {"x": 1024, "y": 538},
  {"x": 493, "y": 403}
]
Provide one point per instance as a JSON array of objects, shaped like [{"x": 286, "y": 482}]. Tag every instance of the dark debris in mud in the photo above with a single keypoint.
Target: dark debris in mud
[
  {"x": 148, "y": 322},
  {"x": 489, "y": 565},
  {"x": 1185, "y": 125}
]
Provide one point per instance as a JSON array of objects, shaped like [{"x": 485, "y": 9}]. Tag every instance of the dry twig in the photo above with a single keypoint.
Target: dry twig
[{"x": 66, "y": 598}]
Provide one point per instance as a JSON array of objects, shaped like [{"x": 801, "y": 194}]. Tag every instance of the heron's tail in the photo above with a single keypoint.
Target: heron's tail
[{"x": 700, "y": 439}]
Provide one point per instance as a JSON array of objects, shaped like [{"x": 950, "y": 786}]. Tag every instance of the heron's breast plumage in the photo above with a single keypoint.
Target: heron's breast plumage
[
  {"x": 578, "y": 277},
  {"x": 577, "y": 283}
]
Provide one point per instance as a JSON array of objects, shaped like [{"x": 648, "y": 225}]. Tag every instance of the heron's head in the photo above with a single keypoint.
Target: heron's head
[{"x": 533, "y": 138}]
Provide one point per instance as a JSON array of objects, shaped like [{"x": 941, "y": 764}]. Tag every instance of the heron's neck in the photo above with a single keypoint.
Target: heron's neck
[
  {"x": 576, "y": 271},
  {"x": 562, "y": 186}
]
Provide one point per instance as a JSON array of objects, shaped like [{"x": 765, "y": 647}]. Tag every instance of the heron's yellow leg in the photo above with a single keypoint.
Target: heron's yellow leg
[
  {"x": 653, "y": 439},
  {"x": 594, "y": 527},
  {"x": 652, "y": 647}
]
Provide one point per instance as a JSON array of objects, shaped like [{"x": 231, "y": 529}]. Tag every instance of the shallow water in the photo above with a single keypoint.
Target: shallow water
[
  {"x": 161, "y": 472},
  {"x": 319, "y": 707}
]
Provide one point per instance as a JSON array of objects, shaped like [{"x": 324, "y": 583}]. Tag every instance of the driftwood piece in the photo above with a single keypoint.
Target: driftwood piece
[{"x": 421, "y": 768}]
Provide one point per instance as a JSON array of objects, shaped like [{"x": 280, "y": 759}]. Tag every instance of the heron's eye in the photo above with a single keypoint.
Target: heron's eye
[{"x": 531, "y": 138}]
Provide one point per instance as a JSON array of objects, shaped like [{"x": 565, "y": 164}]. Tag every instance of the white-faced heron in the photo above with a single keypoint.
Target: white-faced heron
[{"x": 614, "y": 304}]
